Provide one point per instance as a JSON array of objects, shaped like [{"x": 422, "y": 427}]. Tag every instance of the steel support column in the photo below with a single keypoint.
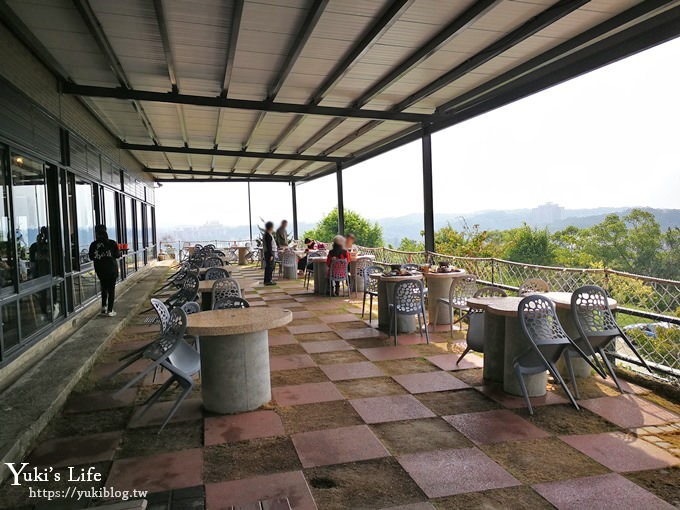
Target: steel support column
[
  {"x": 428, "y": 202},
  {"x": 250, "y": 216},
  {"x": 295, "y": 217},
  {"x": 341, "y": 201}
]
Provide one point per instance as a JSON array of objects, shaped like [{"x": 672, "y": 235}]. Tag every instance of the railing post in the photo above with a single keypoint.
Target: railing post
[
  {"x": 428, "y": 201},
  {"x": 493, "y": 271},
  {"x": 295, "y": 216},
  {"x": 341, "y": 202}
]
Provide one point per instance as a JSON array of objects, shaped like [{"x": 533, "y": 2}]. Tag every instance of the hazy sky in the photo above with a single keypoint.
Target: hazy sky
[{"x": 609, "y": 138}]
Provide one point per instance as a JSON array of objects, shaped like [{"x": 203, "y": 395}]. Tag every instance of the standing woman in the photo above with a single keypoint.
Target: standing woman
[{"x": 104, "y": 252}]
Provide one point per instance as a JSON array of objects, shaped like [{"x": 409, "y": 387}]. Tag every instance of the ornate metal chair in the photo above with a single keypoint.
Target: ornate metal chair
[
  {"x": 212, "y": 261},
  {"x": 370, "y": 289},
  {"x": 547, "y": 342},
  {"x": 338, "y": 273},
  {"x": 230, "y": 302},
  {"x": 461, "y": 289},
  {"x": 533, "y": 286},
  {"x": 475, "y": 337},
  {"x": 597, "y": 327},
  {"x": 216, "y": 273},
  {"x": 224, "y": 288},
  {"x": 408, "y": 299}
]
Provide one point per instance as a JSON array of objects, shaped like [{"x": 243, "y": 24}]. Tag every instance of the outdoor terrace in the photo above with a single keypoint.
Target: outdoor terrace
[{"x": 356, "y": 422}]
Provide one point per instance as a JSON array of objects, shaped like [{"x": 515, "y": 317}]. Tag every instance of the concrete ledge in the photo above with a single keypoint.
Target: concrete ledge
[{"x": 36, "y": 397}]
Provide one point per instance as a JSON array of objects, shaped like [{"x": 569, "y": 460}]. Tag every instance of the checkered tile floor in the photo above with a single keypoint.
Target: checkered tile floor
[{"x": 358, "y": 423}]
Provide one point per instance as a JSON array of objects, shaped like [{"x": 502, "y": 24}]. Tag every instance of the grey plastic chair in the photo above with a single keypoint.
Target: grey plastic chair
[
  {"x": 547, "y": 343},
  {"x": 408, "y": 299},
  {"x": 338, "y": 273},
  {"x": 597, "y": 327},
  {"x": 533, "y": 286},
  {"x": 475, "y": 337},
  {"x": 370, "y": 289},
  {"x": 230, "y": 302},
  {"x": 461, "y": 290},
  {"x": 189, "y": 308},
  {"x": 173, "y": 354},
  {"x": 224, "y": 288},
  {"x": 359, "y": 266},
  {"x": 216, "y": 273},
  {"x": 309, "y": 270}
]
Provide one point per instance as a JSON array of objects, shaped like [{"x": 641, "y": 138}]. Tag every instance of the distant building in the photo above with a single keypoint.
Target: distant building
[{"x": 546, "y": 214}]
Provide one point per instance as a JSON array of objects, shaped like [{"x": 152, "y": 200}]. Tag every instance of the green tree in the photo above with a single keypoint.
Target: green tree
[
  {"x": 531, "y": 246},
  {"x": 569, "y": 248},
  {"x": 367, "y": 233},
  {"x": 669, "y": 258},
  {"x": 407, "y": 244},
  {"x": 467, "y": 242}
]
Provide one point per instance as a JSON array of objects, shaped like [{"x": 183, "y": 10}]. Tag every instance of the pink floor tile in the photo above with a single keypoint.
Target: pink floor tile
[
  {"x": 629, "y": 411},
  {"x": 240, "y": 427},
  {"x": 411, "y": 339},
  {"x": 622, "y": 452},
  {"x": 354, "y": 334},
  {"x": 495, "y": 427},
  {"x": 318, "y": 304},
  {"x": 71, "y": 451},
  {"x": 346, "y": 371},
  {"x": 448, "y": 472},
  {"x": 309, "y": 328},
  {"x": 604, "y": 492},
  {"x": 290, "y": 362},
  {"x": 158, "y": 472},
  {"x": 247, "y": 492},
  {"x": 388, "y": 353},
  {"x": 412, "y": 506},
  {"x": 326, "y": 346},
  {"x": 303, "y": 314},
  {"x": 448, "y": 361},
  {"x": 392, "y": 408},
  {"x": 190, "y": 409},
  {"x": 309, "y": 393},
  {"x": 338, "y": 317},
  {"x": 495, "y": 392},
  {"x": 429, "y": 381},
  {"x": 337, "y": 446},
  {"x": 79, "y": 403},
  {"x": 281, "y": 339}
]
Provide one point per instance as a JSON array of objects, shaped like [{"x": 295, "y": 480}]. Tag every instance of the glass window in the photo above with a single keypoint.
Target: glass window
[
  {"x": 30, "y": 218},
  {"x": 140, "y": 227},
  {"x": 149, "y": 225},
  {"x": 129, "y": 225},
  {"x": 85, "y": 218},
  {"x": 110, "y": 213},
  {"x": 34, "y": 312},
  {"x": 88, "y": 285},
  {"x": 7, "y": 267},
  {"x": 10, "y": 326}
]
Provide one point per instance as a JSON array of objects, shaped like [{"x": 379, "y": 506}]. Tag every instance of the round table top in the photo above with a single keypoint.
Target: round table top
[
  {"x": 452, "y": 274},
  {"x": 316, "y": 259},
  {"x": 237, "y": 321},
  {"x": 382, "y": 277},
  {"x": 207, "y": 285},
  {"x": 507, "y": 306},
  {"x": 563, "y": 300}
]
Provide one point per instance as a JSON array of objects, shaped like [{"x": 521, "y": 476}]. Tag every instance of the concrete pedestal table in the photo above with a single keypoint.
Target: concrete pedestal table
[
  {"x": 438, "y": 285},
  {"x": 357, "y": 282},
  {"x": 205, "y": 290},
  {"x": 320, "y": 274},
  {"x": 242, "y": 252},
  {"x": 235, "y": 356},
  {"x": 494, "y": 339},
  {"x": 405, "y": 323}
]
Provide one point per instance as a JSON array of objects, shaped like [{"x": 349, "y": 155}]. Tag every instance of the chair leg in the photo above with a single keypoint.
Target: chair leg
[
  {"x": 370, "y": 309},
  {"x": 129, "y": 362},
  {"x": 427, "y": 333},
  {"x": 467, "y": 349},
  {"x": 179, "y": 400},
  {"x": 363, "y": 306},
  {"x": 570, "y": 369},
  {"x": 523, "y": 387},
  {"x": 156, "y": 395},
  {"x": 610, "y": 368},
  {"x": 452, "y": 315},
  {"x": 556, "y": 374},
  {"x": 395, "y": 325},
  {"x": 420, "y": 326}
]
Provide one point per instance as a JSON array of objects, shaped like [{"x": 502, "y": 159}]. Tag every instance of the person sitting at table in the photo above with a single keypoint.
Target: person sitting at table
[
  {"x": 310, "y": 245},
  {"x": 349, "y": 242},
  {"x": 338, "y": 251}
]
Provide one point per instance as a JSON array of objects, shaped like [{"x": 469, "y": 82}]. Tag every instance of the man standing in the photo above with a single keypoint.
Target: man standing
[
  {"x": 269, "y": 250},
  {"x": 282, "y": 235}
]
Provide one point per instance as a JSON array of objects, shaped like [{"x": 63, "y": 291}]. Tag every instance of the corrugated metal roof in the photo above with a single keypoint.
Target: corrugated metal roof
[{"x": 240, "y": 49}]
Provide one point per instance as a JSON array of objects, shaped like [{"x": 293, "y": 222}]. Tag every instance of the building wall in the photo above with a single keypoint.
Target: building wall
[{"x": 23, "y": 70}]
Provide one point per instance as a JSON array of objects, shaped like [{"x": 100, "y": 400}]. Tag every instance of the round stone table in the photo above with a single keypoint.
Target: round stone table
[
  {"x": 242, "y": 252},
  {"x": 235, "y": 356},
  {"x": 438, "y": 285},
  {"x": 320, "y": 274},
  {"x": 405, "y": 323}
]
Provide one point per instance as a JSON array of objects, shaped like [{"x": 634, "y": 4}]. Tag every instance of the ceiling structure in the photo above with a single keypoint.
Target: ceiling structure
[{"x": 291, "y": 90}]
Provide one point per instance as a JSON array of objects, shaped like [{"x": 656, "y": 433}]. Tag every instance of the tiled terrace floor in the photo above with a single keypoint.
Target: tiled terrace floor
[{"x": 358, "y": 423}]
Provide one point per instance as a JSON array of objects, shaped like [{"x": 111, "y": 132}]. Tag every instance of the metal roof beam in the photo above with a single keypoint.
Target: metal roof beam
[
  {"x": 223, "y": 179},
  {"x": 237, "y": 104},
  {"x": 225, "y": 152},
  {"x": 208, "y": 173}
]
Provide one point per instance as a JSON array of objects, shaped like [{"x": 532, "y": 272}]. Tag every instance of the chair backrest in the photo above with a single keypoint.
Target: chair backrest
[
  {"x": 230, "y": 302},
  {"x": 462, "y": 288},
  {"x": 190, "y": 283},
  {"x": 543, "y": 330},
  {"x": 408, "y": 297},
  {"x": 163, "y": 313},
  {"x": 289, "y": 259},
  {"x": 490, "y": 291},
  {"x": 213, "y": 262},
  {"x": 591, "y": 313},
  {"x": 224, "y": 288},
  {"x": 338, "y": 269},
  {"x": 215, "y": 273},
  {"x": 191, "y": 307},
  {"x": 170, "y": 336},
  {"x": 360, "y": 265},
  {"x": 533, "y": 286},
  {"x": 476, "y": 334},
  {"x": 209, "y": 247},
  {"x": 371, "y": 284}
]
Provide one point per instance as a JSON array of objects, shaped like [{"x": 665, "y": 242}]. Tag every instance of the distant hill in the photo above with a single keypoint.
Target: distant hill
[{"x": 396, "y": 228}]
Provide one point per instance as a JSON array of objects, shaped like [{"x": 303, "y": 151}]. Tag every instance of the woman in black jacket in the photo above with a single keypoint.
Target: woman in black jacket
[{"x": 104, "y": 252}]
